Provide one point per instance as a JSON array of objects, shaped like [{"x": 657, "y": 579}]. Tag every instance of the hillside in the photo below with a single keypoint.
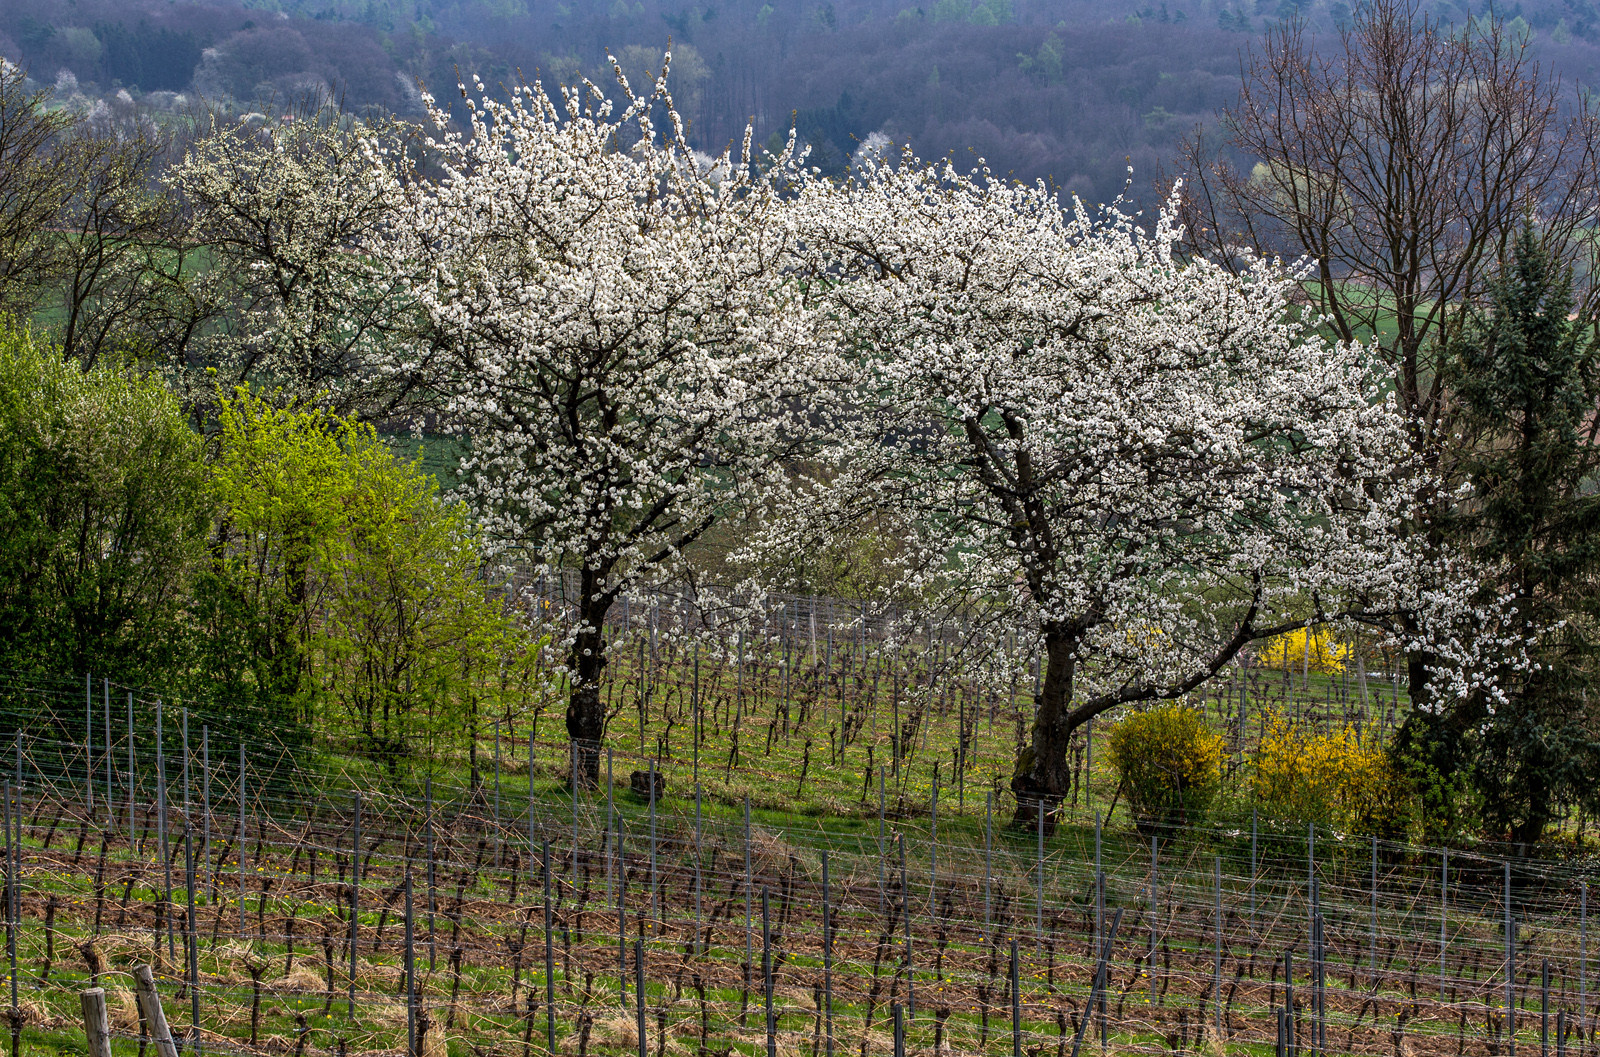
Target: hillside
[{"x": 1069, "y": 91}]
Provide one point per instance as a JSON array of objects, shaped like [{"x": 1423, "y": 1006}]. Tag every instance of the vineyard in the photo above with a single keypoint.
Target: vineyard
[{"x": 809, "y": 856}]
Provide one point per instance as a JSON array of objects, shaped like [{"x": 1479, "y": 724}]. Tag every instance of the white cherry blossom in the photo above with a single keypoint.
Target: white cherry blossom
[
  {"x": 1144, "y": 463},
  {"x": 615, "y": 336}
]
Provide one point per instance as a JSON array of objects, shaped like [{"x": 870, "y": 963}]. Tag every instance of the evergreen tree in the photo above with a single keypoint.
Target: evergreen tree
[{"x": 1526, "y": 376}]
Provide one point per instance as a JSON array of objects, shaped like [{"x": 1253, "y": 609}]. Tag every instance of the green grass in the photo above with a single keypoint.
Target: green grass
[
  {"x": 953, "y": 961},
  {"x": 833, "y": 809}
]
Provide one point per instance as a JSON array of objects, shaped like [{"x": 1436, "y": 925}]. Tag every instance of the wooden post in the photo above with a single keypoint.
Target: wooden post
[
  {"x": 150, "y": 1006},
  {"x": 96, "y": 1024}
]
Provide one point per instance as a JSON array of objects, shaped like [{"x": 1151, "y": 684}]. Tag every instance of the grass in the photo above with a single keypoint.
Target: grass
[
  {"x": 955, "y": 961},
  {"x": 959, "y": 965}
]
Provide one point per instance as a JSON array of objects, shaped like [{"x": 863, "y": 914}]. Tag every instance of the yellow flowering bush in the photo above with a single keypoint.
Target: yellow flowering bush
[
  {"x": 1170, "y": 764},
  {"x": 1305, "y": 648},
  {"x": 1336, "y": 779}
]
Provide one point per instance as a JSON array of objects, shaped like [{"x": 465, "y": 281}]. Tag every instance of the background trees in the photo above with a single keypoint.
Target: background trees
[
  {"x": 1525, "y": 374},
  {"x": 279, "y": 287},
  {"x": 1401, "y": 161},
  {"x": 84, "y": 234},
  {"x": 34, "y": 184},
  {"x": 1071, "y": 91},
  {"x": 102, "y": 515}
]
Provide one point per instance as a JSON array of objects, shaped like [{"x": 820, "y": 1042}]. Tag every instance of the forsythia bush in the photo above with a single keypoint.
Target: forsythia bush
[
  {"x": 1335, "y": 779},
  {"x": 1170, "y": 763},
  {"x": 1305, "y": 648}
]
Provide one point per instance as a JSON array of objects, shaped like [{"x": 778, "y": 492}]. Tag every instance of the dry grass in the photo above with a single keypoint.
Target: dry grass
[
  {"x": 433, "y": 1041},
  {"x": 35, "y": 1014},
  {"x": 235, "y": 951},
  {"x": 620, "y": 1032},
  {"x": 121, "y": 1007},
  {"x": 372, "y": 976},
  {"x": 387, "y": 1014},
  {"x": 303, "y": 979},
  {"x": 798, "y": 997}
]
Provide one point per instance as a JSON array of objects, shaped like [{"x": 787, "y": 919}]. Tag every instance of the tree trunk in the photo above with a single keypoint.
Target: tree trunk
[
  {"x": 586, "y": 715},
  {"x": 1419, "y": 676},
  {"x": 1042, "y": 778}
]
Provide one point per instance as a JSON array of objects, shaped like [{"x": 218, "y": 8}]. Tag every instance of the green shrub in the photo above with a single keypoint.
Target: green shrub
[
  {"x": 362, "y": 586},
  {"x": 1170, "y": 764},
  {"x": 103, "y": 515}
]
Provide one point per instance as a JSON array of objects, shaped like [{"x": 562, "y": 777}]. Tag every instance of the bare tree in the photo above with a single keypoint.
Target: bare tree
[
  {"x": 1400, "y": 162},
  {"x": 35, "y": 183},
  {"x": 112, "y": 243}
]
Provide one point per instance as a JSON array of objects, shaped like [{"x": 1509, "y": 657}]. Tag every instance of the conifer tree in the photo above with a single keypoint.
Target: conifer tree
[{"x": 1526, "y": 375}]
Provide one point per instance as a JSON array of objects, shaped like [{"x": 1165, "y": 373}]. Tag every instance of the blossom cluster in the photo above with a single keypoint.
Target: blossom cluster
[{"x": 1131, "y": 457}]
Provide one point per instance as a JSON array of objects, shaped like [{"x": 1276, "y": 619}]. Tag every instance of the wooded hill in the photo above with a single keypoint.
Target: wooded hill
[{"x": 1070, "y": 91}]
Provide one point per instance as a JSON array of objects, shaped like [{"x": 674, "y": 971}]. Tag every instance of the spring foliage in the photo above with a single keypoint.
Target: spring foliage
[
  {"x": 1303, "y": 649},
  {"x": 102, "y": 514},
  {"x": 364, "y": 583},
  {"x": 1170, "y": 764},
  {"x": 1338, "y": 779}
]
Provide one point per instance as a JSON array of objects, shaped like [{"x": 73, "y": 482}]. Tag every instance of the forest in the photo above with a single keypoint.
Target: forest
[{"x": 1073, "y": 92}]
